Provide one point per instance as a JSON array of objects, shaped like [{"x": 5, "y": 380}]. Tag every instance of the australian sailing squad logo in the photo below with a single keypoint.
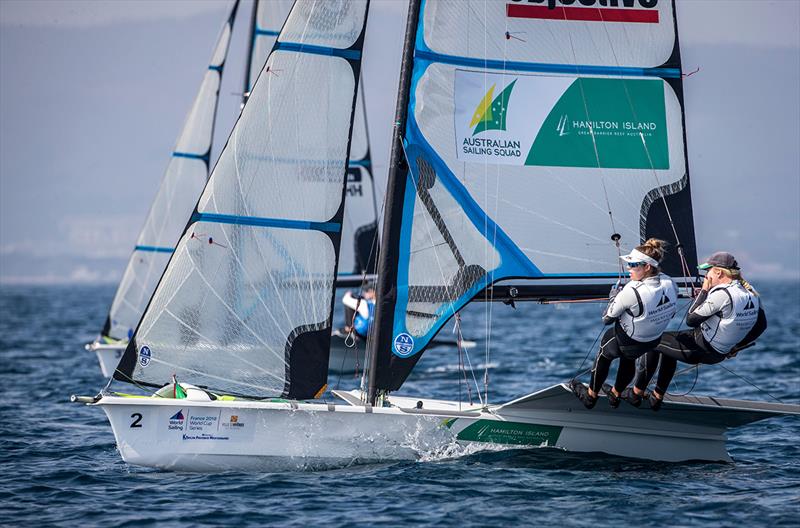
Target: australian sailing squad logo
[{"x": 490, "y": 116}]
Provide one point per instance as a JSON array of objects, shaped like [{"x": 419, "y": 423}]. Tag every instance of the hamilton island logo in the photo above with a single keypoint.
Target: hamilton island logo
[
  {"x": 144, "y": 356},
  {"x": 563, "y": 126},
  {"x": 491, "y": 111},
  {"x": 403, "y": 344}
]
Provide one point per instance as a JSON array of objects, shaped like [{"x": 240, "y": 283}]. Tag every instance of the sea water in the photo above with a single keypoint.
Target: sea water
[{"x": 59, "y": 465}]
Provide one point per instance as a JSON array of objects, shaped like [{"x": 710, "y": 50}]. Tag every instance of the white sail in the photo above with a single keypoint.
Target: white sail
[
  {"x": 268, "y": 17},
  {"x": 359, "y": 228},
  {"x": 245, "y": 305},
  {"x": 183, "y": 180}
]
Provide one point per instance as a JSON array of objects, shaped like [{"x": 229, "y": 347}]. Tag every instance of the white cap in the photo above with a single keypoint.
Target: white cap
[{"x": 638, "y": 256}]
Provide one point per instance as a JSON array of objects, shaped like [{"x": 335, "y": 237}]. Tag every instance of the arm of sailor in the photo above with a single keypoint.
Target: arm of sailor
[
  {"x": 624, "y": 300},
  {"x": 707, "y": 305},
  {"x": 356, "y": 303}
]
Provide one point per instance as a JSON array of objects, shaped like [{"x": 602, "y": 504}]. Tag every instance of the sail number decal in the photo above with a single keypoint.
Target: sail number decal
[{"x": 137, "y": 420}]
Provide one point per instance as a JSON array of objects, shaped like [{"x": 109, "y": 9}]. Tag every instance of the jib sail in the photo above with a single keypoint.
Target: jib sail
[
  {"x": 183, "y": 180},
  {"x": 245, "y": 304},
  {"x": 539, "y": 140}
]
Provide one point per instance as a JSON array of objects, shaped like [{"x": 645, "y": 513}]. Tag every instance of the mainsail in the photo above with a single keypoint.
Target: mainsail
[
  {"x": 536, "y": 142},
  {"x": 183, "y": 180},
  {"x": 245, "y": 304},
  {"x": 360, "y": 226}
]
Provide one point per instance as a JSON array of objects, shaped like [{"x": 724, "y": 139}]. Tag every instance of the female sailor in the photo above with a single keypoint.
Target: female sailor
[
  {"x": 726, "y": 317},
  {"x": 640, "y": 313}
]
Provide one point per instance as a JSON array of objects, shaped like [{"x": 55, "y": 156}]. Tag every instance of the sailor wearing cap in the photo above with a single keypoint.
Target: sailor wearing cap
[
  {"x": 640, "y": 313},
  {"x": 726, "y": 317}
]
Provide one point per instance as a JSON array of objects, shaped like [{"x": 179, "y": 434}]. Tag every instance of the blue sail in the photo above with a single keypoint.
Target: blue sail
[{"x": 535, "y": 147}]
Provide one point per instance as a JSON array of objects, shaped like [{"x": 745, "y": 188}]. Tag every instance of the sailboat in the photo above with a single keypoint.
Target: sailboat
[
  {"x": 501, "y": 188},
  {"x": 184, "y": 178}
]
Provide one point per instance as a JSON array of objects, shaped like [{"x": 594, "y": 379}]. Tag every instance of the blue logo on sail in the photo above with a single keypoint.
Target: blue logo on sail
[
  {"x": 144, "y": 356},
  {"x": 403, "y": 345}
]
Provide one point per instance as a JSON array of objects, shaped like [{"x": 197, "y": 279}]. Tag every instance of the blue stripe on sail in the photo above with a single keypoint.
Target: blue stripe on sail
[
  {"x": 190, "y": 155},
  {"x": 154, "y": 249},
  {"x": 215, "y": 68},
  {"x": 318, "y": 50},
  {"x": 331, "y": 227},
  {"x": 359, "y": 163},
  {"x": 576, "y": 69},
  {"x": 267, "y": 32}
]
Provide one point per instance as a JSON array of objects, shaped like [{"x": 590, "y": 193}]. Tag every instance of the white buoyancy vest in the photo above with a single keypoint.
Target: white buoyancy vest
[
  {"x": 728, "y": 327},
  {"x": 646, "y": 307}
]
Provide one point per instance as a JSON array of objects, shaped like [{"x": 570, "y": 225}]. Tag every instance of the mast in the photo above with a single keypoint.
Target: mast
[
  {"x": 395, "y": 189},
  {"x": 250, "y": 45}
]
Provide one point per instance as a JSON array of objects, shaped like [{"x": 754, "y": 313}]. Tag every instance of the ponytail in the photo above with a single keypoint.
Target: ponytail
[
  {"x": 736, "y": 275},
  {"x": 655, "y": 249}
]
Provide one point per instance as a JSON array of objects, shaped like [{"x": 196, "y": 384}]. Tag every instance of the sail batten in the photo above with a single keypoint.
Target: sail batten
[{"x": 533, "y": 148}]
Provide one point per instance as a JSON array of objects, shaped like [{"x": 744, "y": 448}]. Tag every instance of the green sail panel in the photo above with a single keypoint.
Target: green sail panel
[{"x": 606, "y": 123}]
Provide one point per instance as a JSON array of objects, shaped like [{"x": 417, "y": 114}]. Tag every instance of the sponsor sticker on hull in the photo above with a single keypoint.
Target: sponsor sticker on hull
[
  {"x": 560, "y": 121},
  {"x": 204, "y": 424}
]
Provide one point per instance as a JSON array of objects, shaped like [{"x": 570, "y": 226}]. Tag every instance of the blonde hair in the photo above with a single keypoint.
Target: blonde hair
[
  {"x": 655, "y": 249},
  {"x": 735, "y": 274}
]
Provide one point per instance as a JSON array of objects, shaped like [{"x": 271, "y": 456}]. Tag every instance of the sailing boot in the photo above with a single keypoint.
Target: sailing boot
[
  {"x": 631, "y": 397},
  {"x": 582, "y": 393},
  {"x": 613, "y": 399},
  {"x": 655, "y": 403}
]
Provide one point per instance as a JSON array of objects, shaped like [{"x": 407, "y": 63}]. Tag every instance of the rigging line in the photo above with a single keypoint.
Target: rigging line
[
  {"x": 428, "y": 230},
  {"x": 750, "y": 383},
  {"x": 684, "y": 264},
  {"x": 578, "y": 371},
  {"x": 251, "y": 282},
  {"x": 237, "y": 356},
  {"x": 596, "y": 152},
  {"x": 233, "y": 312}
]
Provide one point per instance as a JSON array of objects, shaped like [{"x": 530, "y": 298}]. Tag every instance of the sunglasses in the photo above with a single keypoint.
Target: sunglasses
[{"x": 635, "y": 264}]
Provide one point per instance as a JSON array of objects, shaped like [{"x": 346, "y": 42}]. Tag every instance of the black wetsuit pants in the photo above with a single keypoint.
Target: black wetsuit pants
[
  {"x": 687, "y": 346},
  {"x": 616, "y": 344}
]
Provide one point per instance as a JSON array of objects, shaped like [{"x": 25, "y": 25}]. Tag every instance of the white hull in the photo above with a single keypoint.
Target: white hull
[
  {"x": 108, "y": 355},
  {"x": 258, "y": 436}
]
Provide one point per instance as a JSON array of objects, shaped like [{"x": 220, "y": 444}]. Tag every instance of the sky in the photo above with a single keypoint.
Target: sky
[{"x": 93, "y": 94}]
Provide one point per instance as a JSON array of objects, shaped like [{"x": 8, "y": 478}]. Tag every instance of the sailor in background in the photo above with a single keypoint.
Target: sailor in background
[
  {"x": 640, "y": 313},
  {"x": 359, "y": 311},
  {"x": 726, "y": 317}
]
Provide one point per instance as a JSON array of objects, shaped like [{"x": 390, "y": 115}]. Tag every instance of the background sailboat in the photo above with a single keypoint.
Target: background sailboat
[{"x": 184, "y": 178}]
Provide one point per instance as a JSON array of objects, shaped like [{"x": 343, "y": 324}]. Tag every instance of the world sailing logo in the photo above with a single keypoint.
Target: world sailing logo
[
  {"x": 176, "y": 421},
  {"x": 491, "y": 112}
]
